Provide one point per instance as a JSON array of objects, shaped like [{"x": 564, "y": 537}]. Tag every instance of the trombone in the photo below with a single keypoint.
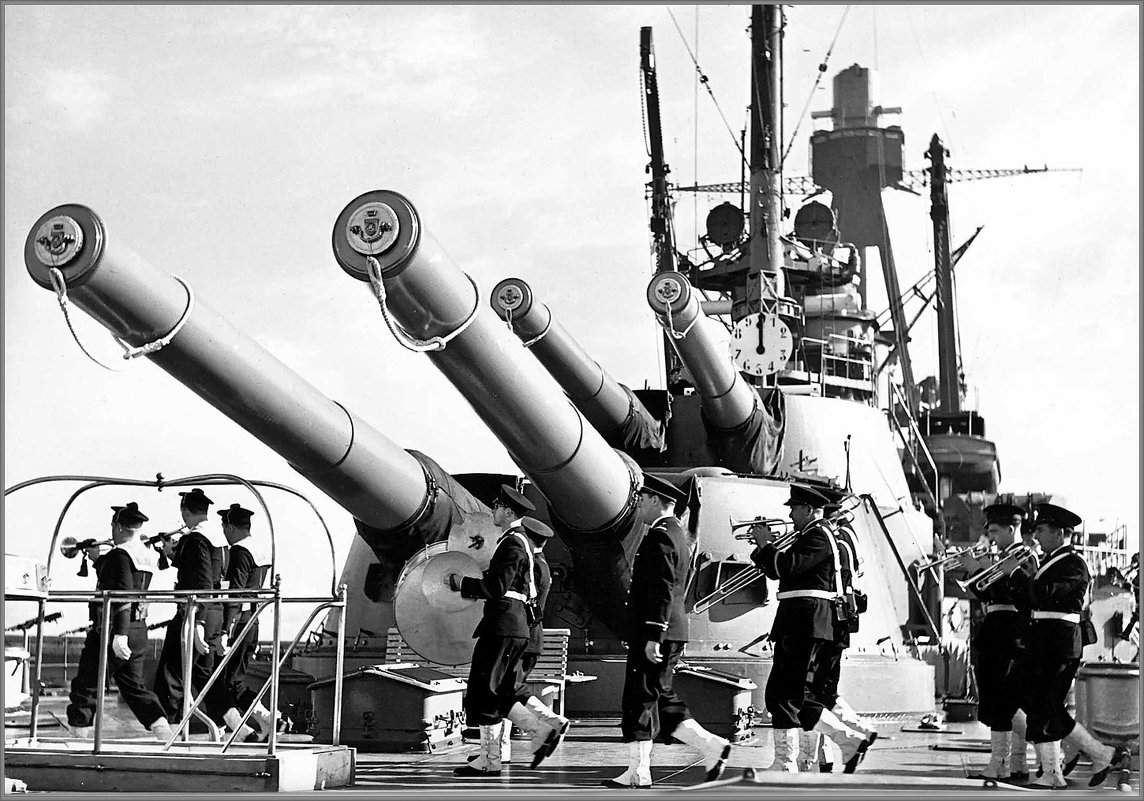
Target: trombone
[
  {"x": 949, "y": 557},
  {"x": 1012, "y": 558}
]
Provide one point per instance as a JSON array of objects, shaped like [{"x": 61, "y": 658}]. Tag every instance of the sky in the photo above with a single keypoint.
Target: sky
[{"x": 221, "y": 142}]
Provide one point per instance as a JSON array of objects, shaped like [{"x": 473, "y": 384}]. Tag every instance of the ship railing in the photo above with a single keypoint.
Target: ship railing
[
  {"x": 260, "y": 598},
  {"x": 839, "y": 356},
  {"x": 913, "y": 443}
]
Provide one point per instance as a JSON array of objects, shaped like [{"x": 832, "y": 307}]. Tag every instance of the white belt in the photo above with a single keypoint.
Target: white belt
[
  {"x": 1068, "y": 617},
  {"x": 516, "y": 596},
  {"x": 825, "y": 595},
  {"x": 999, "y": 608}
]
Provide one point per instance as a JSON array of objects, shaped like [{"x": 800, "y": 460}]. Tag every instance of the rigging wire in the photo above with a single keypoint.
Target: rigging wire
[
  {"x": 817, "y": 80},
  {"x": 704, "y": 81}
]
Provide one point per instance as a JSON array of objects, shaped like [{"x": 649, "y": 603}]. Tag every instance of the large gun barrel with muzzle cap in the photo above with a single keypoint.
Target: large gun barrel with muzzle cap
[
  {"x": 434, "y": 307},
  {"x": 379, "y": 239},
  {"x": 383, "y": 486},
  {"x": 743, "y": 433},
  {"x": 612, "y": 408}
]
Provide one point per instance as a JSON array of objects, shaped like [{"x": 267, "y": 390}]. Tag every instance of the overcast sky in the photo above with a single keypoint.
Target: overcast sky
[{"x": 220, "y": 143}]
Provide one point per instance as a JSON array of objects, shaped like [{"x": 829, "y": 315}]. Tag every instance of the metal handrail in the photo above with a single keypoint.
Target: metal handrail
[
  {"x": 918, "y": 444},
  {"x": 338, "y": 598}
]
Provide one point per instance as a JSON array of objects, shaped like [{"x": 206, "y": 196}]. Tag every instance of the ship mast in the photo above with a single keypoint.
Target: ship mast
[
  {"x": 949, "y": 383},
  {"x": 661, "y": 222},
  {"x": 766, "y": 252}
]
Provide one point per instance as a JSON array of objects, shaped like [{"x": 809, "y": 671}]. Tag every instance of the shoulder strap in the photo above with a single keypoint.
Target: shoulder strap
[{"x": 531, "y": 567}]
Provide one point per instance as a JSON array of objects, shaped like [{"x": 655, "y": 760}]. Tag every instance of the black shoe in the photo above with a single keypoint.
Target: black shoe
[
  {"x": 714, "y": 773},
  {"x": 825, "y": 767},
  {"x": 1018, "y": 776},
  {"x": 546, "y": 747},
  {"x": 469, "y": 770},
  {"x": 869, "y": 742},
  {"x": 1120, "y": 759},
  {"x": 1070, "y": 764},
  {"x": 563, "y": 730}
]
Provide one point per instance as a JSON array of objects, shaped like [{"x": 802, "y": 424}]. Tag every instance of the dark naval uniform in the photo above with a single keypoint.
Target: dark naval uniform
[
  {"x": 999, "y": 650},
  {"x": 243, "y": 573},
  {"x": 655, "y": 613},
  {"x": 1058, "y": 591},
  {"x": 503, "y": 631},
  {"x": 828, "y": 665},
  {"x": 804, "y": 623},
  {"x": 116, "y": 570},
  {"x": 195, "y": 571}
]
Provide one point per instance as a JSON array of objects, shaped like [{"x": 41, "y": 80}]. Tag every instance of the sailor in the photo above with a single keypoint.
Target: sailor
[
  {"x": 828, "y": 672},
  {"x": 657, "y": 632},
  {"x": 538, "y": 535},
  {"x": 803, "y": 631},
  {"x": 127, "y": 566},
  {"x": 246, "y": 570},
  {"x": 1059, "y": 590},
  {"x": 998, "y": 647},
  {"x": 507, "y": 586},
  {"x": 195, "y": 570}
]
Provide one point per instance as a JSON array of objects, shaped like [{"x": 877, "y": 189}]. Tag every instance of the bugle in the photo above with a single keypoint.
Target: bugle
[
  {"x": 155, "y": 539},
  {"x": 1011, "y": 558},
  {"x": 947, "y": 558},
  {"x": 70, "y": 547}
]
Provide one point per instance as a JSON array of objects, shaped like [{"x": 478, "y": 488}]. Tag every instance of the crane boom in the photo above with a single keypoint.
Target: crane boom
[{"x": 912, "y": 180}]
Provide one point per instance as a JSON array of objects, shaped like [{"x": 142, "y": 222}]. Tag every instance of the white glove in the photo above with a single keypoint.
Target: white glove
[
  {"x": 119, "y": 646},
  {"x": 223, "y": 644},
  {"x": 201, "y": 646},
  {"x": 651, "y": 651}
]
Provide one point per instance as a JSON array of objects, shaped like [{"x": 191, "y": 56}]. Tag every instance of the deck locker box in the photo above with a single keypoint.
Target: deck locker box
[
  {"x": 393, "y": 708},
  {"x": 720, "y": 702}
]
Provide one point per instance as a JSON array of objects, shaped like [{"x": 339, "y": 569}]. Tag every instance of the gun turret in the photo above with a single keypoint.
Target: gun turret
[
  {"x": 379, "y": 238},
  {"x": 611, "y": 408},
  {"x": 741, "y": 427},
  {"x": 400, "y": 500}
]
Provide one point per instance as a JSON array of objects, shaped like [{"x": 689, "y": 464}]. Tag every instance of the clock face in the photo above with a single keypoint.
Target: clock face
[{"x": 761, "y": 344}]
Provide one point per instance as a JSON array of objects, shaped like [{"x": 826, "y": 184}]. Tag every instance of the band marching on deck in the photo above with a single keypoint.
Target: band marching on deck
[{"x": 1025, "y": 653}]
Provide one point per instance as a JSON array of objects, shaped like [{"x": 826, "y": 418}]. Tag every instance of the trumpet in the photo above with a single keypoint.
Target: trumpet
[
  {"x": 785, "y": 538},
  {"x": 1012, "y": 558},
  {"x": 769, "y": 522},
  {"x": 949, "y": 557}
]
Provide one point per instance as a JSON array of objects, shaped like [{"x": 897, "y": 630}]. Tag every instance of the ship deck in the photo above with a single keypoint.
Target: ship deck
[{"x": 904, "y": 761}]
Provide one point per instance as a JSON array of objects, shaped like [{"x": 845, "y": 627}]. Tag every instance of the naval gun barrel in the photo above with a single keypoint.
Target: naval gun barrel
[
  {"x": 727, "y": 399},
  {"x": 611, "y": 408},
  {"x": 743, "y": 432},
  {"x": 380, "y": 484},
  {"x": 379, "y": 238}
]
